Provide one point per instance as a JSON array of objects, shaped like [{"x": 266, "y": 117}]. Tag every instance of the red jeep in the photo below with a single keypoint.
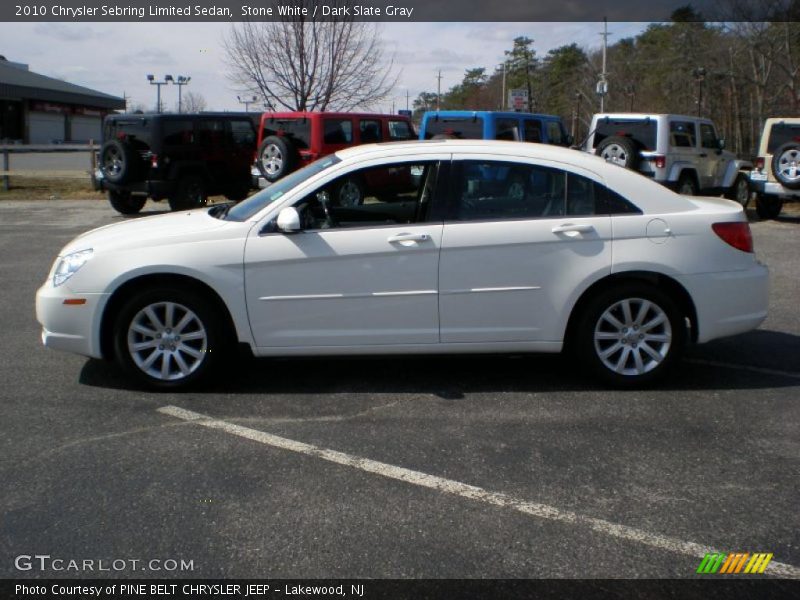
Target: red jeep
[{"x": 290, "y": 140}]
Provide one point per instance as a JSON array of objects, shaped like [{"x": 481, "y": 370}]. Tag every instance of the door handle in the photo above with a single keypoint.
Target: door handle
[
  {"x": 572, "y": 228},
  {"x": 408, "y": 237}
]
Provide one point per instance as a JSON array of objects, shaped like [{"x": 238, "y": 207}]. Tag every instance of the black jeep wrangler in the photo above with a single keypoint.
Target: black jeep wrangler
[{"x": 181, "y": 157}]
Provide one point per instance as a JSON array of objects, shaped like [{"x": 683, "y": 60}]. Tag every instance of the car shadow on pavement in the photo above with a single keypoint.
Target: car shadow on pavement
[{"x": 454, "y": 376}]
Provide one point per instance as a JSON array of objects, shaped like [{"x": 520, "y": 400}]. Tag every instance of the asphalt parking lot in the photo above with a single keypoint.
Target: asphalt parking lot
[{"x": 431, "y": 467}]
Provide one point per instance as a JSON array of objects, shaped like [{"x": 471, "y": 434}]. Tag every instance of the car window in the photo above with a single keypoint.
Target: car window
[
  {"x": 370, "y": 131},
  {"x": 507, "y": 129},
  {"x": 554, "y": 133},
  {"x": 177, "y": 133},
  {"x": 642, "y": 131},
  {"x": 338, "y": 131},
  {"x": 400, "y": 130},
  {"x": 385, "y": 195},
  {"x": 246, "y": 209},
  {"x": 708, "y": 137},
  {"x": 243, "y": 134},
  {"x": 467, "y": 128},
  {"x": 682, "y": 134},
  {"x": 782, "y": 133},
  {"x": 297, "y": 130},
  {"x": 533, "y": 130},
  {"x": 210, "y": 132}
]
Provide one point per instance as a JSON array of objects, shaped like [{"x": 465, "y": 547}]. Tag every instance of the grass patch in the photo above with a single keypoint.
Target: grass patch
[{"x": 39, "y": 188}]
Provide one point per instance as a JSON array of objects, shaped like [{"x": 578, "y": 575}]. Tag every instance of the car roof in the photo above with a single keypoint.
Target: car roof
[
  {"x": 599, "y": 116},
  {"x": 317, "y": 115},
  {"x": 494, "y": 113}
]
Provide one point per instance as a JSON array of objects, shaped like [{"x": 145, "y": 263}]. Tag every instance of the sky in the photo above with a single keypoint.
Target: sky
[{"x": 116, "y": 57}]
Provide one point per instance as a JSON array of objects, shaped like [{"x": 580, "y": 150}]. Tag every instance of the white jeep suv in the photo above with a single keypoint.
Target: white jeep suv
[
  {"x": 776, "y": 176},
  {"x": 681, "y": 152}
]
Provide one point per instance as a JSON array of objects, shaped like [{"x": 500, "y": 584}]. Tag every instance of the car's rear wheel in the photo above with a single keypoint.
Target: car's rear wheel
[
  {"x": 190, "y": 193},
  {"x": 740, "y": 190},
  {"x": 169, "y": 338},
  {"x": 126, "y": 203},
  {"x": 786, "y": 165},
  {"x": 276, "y": 158},
  {"x": 687, "y": 186},
  {"x": 631, "y": 335},
  {"x": 768, "y": 207},
  {"x": 619, "y": 150}
]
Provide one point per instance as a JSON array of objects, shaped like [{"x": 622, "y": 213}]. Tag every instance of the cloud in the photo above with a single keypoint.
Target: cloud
[
  {"x": 65, "y": 32},
  {"x": 147, "y": 59}
]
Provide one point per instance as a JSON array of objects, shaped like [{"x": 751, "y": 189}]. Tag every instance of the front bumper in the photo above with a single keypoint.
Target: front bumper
[
  {"x": 70, "y": 327},
  {"x": 730, "y": 302}
]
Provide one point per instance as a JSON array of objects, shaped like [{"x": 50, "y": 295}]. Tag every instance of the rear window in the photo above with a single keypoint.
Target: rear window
[
  {"x": 466, "y": 128},
  {"x": 298, "y": 130},
  {"x": 400, "y": 130},
  {"x": 782, "y": 133},
  {"x": 642, "y": 131},
  {"x": 138, "y": 128}
]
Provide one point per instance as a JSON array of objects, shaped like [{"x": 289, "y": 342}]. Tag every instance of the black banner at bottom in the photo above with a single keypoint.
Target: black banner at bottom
[{"x": 391, "y": 589}]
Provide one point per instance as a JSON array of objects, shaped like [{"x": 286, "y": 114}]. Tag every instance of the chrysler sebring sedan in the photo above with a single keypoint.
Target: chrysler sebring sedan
[{"x": 444, "y": 246}]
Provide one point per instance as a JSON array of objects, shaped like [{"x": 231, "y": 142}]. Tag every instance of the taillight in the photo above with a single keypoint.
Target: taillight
[
  {"x": 760, "y": 163},
  {"x": 736, "y": 234},
  {"x": 660, "y": 161},
  {"x": 154, "y": 161}
]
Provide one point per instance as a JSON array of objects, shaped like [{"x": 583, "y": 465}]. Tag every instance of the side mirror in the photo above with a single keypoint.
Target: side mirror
[
  {"x": 721, "y": 143},
  {"x": 289, "y": 220}
]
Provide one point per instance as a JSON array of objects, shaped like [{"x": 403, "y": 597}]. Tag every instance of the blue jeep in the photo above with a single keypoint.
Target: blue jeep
[{"x": 494, "y": 125}]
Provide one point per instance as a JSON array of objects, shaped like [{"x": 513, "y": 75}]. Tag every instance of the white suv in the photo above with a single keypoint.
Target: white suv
[
  {"x": 681, "y": 152},
  {"x": 776, "y": 176}
]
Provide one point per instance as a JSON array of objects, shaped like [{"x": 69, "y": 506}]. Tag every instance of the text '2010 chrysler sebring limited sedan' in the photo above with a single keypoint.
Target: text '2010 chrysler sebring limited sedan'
[{"x": 416, "y": 247}]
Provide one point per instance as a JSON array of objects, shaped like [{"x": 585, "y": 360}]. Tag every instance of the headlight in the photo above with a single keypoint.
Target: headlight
[{"x": 68, "y": 265}]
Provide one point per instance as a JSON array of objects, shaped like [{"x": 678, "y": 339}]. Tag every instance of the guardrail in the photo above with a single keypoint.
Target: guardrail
[{"x": 9, "y": 149}]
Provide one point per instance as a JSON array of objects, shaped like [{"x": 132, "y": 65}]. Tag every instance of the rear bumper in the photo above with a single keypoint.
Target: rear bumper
[
  {"x": 728, "y": 303},
  {"x": 772, "y": 188}
]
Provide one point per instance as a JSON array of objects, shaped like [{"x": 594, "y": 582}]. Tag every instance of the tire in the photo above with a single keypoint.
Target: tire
[
  {"x": 614, "y": 343},
  {"x": 786, "y": 165},
  {"x": 180, "y": 350},
  {"x": 125, "y": 203},
  {"x": 118, "y": 162},
  {"x": 190, "y": 193},
  {"x": 276, "y": 158},
  {"x": 687, "y": 185},
  {"x": 350, "y": 193},
  {"x": 619, "y": 150},
  {"x": 768, "y": 207},
  {"x": 740, "y": 190}
]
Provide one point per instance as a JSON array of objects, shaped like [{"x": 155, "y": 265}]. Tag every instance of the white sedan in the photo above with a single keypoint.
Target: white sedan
[{"x": 419, "y": 247}]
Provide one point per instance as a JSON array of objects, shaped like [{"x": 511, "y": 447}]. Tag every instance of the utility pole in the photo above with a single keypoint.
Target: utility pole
[
  {"x": 439, "y": 91},
  {"x": 503, "y": 97},
  {"x": 602, "y": 85},
  {"x": 406, "y": 98}
]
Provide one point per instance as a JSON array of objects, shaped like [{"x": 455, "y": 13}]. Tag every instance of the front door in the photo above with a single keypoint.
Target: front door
[{"x": 356, "y": 275}]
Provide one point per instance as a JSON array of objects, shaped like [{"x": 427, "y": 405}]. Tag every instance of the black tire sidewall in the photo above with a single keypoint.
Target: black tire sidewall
[
  {"x": 583, "y": 342},
  {"x": 125, "y": 203},
  {"x": 687, "y": 178},
  {"x": 791, "y": 185},
  {"x": 217, "y": 345},
  {"x": 181, "y": 199},
  {"x": 768, "y": 207}
]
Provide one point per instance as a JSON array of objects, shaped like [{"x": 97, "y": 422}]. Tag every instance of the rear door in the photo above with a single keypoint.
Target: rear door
[{"x": 519, "y": 239}]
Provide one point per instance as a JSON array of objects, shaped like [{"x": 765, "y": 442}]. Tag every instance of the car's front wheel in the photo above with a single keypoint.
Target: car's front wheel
[
  {"x": 126, "y": 203},
  {"x": 168, "y": 338},
  {"x": 190, "y": 193},
  {"x": 631, "y": 335}
]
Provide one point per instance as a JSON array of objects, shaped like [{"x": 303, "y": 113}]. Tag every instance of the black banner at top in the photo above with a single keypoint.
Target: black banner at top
[{"x": 395, "y": 10}]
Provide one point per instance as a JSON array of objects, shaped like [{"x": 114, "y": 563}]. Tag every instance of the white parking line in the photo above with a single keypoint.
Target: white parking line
[
  {"x": 739, "y": 367},
  {"x": 449, "y": 486}
]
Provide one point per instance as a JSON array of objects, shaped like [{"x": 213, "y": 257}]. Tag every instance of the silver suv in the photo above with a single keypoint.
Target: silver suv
[
  {"x": 776, "y": 176},
  {"x": 681, "y": 152}
]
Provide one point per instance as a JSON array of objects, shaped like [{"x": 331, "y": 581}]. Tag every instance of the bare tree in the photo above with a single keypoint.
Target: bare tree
[
  {"x": 301, "y": 63},
  {"x": 192, "y": 102}
]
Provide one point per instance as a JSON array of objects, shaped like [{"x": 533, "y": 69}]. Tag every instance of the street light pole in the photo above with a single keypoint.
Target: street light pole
[
  {"x": 158, "y": 84},
  {"x": 180, "y": 82},
  {"x": 699, "y": 77},
  {"x": 247, "y": 102}
]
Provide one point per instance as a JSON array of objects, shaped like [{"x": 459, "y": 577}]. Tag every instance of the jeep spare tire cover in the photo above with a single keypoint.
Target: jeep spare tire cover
[
  {"x": 786, "y": 165},
  {"x": 276, "y": 158},
  {"x": 117, "y": 161},
  {"x": 619, "y": 150}
]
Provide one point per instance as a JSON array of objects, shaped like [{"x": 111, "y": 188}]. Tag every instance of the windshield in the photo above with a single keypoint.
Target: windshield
[{"x": 246, "y": 209}]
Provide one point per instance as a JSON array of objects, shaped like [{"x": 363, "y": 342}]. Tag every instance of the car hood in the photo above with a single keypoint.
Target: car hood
[{"x": 156, "y": 230}]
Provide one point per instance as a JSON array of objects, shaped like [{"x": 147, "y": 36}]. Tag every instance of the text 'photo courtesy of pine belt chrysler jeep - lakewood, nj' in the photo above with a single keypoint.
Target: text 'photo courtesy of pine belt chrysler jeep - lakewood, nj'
[{"x": 453, "y": 246}]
